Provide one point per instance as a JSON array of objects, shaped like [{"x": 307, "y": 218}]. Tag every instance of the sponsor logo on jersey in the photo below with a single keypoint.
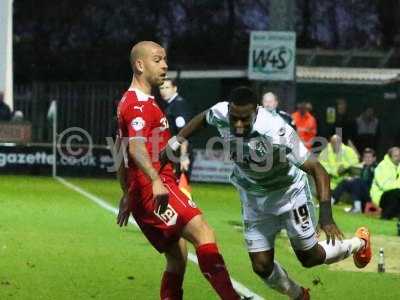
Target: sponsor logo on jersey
[
  {"x": 169, "y": 217},
  {"x": 138, "y": 123},
  {"x": 139, "y": 107}
]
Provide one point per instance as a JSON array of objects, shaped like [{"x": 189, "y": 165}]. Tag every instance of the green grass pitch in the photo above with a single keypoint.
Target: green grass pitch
[{"x": 56, "y": 244}]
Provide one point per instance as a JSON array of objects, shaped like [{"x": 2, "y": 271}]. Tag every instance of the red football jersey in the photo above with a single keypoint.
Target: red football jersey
[{"x": 139, "y": 117}]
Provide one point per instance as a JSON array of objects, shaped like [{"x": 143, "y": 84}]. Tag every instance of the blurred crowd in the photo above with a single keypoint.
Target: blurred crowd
[
  {"x": 347, "y": 150},
  {"x": 349, "y": 156}
]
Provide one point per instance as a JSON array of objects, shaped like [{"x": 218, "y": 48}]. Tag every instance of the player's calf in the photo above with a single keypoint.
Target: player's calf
[
  {"x": 328, "y": 253},
  {"x": 311, "y": 257},
  {"x": 171, "y": 282},
  {"x": 262, "y": 262},
  {"x": 272, "y": 273},
  {"x": 211, "y": 262}
]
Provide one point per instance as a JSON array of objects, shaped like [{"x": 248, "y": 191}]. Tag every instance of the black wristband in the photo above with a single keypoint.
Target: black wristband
[{"x": 325, "y": 213}]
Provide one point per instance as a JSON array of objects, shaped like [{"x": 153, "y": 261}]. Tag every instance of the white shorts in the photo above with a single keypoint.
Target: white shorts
[{"x": 299, "y": 223}]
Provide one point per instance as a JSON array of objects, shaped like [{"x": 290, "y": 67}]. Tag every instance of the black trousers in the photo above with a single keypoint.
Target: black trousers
[
  {"x": 390, "y": 204},
  {"x": 357, "y": 189}
]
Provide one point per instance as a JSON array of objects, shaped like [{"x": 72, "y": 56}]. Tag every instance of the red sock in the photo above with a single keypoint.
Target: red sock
[
  {"x": 212, "y": 266},
  {"x": 171, "y": 286}
]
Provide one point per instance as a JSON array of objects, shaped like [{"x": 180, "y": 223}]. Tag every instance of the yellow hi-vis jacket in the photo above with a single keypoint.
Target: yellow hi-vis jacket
[
  {"x": 332, "y": 161},
  {"x": 386, "y": 177}
]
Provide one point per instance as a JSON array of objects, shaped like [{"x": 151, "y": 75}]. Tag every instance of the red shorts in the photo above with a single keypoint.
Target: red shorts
[{"x": 163, "y": 230}]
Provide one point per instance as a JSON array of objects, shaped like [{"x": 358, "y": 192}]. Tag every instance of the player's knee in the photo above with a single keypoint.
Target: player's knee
[
  {"x": 207, "y": 233},
  {"x": 198, "y": 232},
  {"x": 262, "y": 267}
]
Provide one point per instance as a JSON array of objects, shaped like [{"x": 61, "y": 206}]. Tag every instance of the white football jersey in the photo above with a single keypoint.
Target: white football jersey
[{"x": 267, "y": 162}]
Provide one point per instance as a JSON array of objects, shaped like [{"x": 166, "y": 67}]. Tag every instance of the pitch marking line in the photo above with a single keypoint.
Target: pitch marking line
[{"x": 102, "y": 203}]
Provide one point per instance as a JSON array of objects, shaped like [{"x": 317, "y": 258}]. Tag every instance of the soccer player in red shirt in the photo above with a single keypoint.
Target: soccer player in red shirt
[{"x": 164, "y": 214}]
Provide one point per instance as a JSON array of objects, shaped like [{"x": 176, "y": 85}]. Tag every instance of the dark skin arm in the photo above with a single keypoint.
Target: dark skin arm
[
  {"x": 198, "y": 122},
  {"x": 322, "y": 182}
]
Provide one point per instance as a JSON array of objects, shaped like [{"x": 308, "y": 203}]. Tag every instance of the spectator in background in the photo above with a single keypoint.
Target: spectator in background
[
  {"x": 385, "y": 190},
  {"x": 306, "y": 125},
  {"x": 178, "y": 114},
  {"x": 358, "y": 186},
  {"x": 5, "y": 112},
  {"x": 367, "y": 130},
  {"x": 18, "y": 116},
  {"x": 309, "y": 107},
  {"x": 342, "y": 123},
  {"x": 338, "y": 159},
  {"x": 270, "y": 102}
]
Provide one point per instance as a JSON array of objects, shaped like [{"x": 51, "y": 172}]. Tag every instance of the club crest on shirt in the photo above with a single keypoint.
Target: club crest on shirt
[
  {"x": 258, "y": 145},
  {"x": 138, "y": 123}
]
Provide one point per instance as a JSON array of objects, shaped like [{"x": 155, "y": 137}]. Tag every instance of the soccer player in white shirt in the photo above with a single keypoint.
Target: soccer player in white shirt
[{"x": 270, "y": 174}]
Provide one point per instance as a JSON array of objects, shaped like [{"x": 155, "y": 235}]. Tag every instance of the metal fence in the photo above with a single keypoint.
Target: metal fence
[{"x": 90, "y": 106}]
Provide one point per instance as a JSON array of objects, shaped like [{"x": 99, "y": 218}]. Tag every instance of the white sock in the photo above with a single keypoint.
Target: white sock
[
  {"x": 280, "y": 281},
  {"x": 341, "y": 250}
]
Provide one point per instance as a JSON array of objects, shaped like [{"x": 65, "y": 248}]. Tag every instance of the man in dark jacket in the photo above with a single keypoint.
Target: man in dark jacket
[{"x": 178, "y": 113}]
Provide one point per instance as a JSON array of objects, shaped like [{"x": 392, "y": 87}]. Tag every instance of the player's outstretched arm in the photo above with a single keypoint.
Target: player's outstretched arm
[
  {"x": 139, "y": 154},
  {"x": 186, "y": 132},
  {"x": 322, "y": 182},
  {"x": 195, "y": 124}
]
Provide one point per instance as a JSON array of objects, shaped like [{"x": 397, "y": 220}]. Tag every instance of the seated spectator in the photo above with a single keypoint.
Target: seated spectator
[
  {"x": 385, "y": 190},
  {"x": 338, "y": 160},
  {"x": 270, "y": 102},
  {"x": 358, "y": 186},
  {"x": 367, "y": 130},
  {"x": 5, "y": 112},
  {"x": 305, "y": 123}
]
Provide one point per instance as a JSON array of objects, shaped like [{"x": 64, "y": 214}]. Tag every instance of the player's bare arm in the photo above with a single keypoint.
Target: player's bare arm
[
  {"x": 124, "y": 204},
  {"x": 139, "y": 154},
  {"x": 125, "y": 208},
  {"x": 195, "y": 124},
  {"x": 322, "y": 182},
  {"x": 186, "y": 132}
]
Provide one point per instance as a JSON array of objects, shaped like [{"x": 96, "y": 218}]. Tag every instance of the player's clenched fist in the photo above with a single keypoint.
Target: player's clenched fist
[{"x": 160, "y": 194}]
